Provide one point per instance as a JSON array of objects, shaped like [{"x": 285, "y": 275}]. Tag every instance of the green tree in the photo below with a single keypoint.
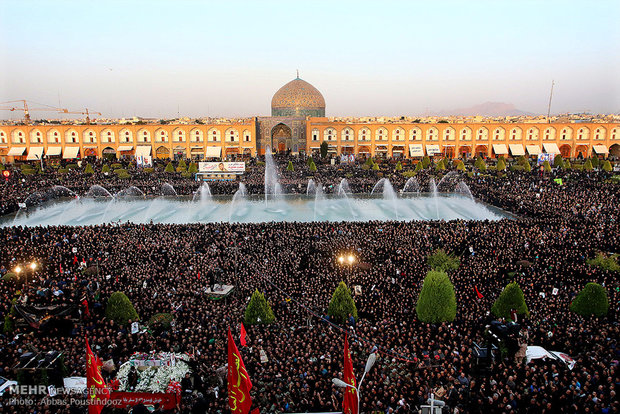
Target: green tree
[
  {"x": 399, "y": 166},
  {"x": 480, "y": 164},
  {"x": 375, "y": 167},
  {"x": 290, "y": 167},
  {"x": 608, "y": 263},
  {"x": 527, "y": 167},
  {"x": 607, "y": 166},
  {"x": 510, "y": 298},
  {"x": 440, "y": 166},
  {"x": 588, "y": 165},
  {"x": 120, "y": 309},
  {"x": 442, "y": 261},
  {"x": 169, "y": 167},
  {"x": 426, "y": 161},
  {"x": 342, "y": 304},
  {"x": 437, "y": 301},
  {"x": 521, "y": 160},
  {"x": 558, "y": 161},
  {"x": 567, "y": 165},
  {"x": 595, "y": 162},
  {"x": 181, "y": 167},
  {"x": 591, "y": 301},
  {"x": 89, "y": 169},
  {"x": 324, "y": 148},
  {"x": 258, "y": 310},
  {"x": 309, "y": 161},
  {"x": 312, "y": 167},
  {"x": 9, "y": 276},
  {"x": 501, "y": 164},
  {"x": 105, "y": 168},
  {"x": 193, "y": 168},
  {"x": 460, "y": 165},
  {"x": 547, "y": 166},
  {"x": 418, "y": 167},
  {"x": 161, "y": 321}
]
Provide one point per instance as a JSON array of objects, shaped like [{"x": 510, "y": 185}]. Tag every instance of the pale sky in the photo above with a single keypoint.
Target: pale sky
[{"x": 228, "y": 58}]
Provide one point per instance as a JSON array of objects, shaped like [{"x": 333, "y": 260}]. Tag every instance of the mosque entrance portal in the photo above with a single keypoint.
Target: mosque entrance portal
[{"x": 281, "y": 136}]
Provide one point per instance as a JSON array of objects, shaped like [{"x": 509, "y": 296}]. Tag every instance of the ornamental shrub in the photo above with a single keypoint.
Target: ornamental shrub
[
  {"x": 510, "y": 298},
  {"x": 591, "y": 301},
  {"x": 120, "y": 310},
  {"x": 440, "y": 166},
  {"x": 609, "y": 263},
  {"x": 460, "y": 165},
  {"x": 342, "y": 304},
  {"x": 527, "y": 167},
  {"x": 546, "y": 166},
  {"x": 426, "y": 161},
  {"x": 116, "y": 166},
  {"x": 89, "y": 169},
  {"x": 442, "y": 262},
  {"x": 182, "y": 165},
  {"x": 595, "y": 162},
  {"x": 193, "y": 168},
  {"x": 558, "y": 161},
  {"x": 375, "y": 167},
  {"x": 567, "y": 165},
  {"x": 309, "y": 161},
  {"x": 324, "y": 149},
  {"x": 418, "y": 167},
  {"x": 312, "y": 167},
  {"x": 409, "y": 174},
  {"x": 105, "y": 168},
  {"x": 501, "y": 164},
  {"x": 290, "y": 167},
  {"x": 258, "y": 310},
  {"x": 437, "y": 301},
  {"x": 480, "y": 164},
  {"x": 607, "y": 166},
  {"x": 588, "y": 165},
  {"x": 9, "y": 276},
  {"x": 399, "y": 166},
  {"x": 169, "y": 167}
]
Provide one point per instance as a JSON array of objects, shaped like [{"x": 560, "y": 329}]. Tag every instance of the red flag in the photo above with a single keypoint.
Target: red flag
[
  {"x": 98, "y": 393},
  {"x": 239, "y": 384},
  {"x": 60, "y": 267},
  {"x": 75, "y": 259},
  {"x": 349, "y": 404},
  {"x": 243, "y": 335},
  {"x": 478, "y": 293},
  {"x": 198, "y": 275},
  {"x": 255, "y": 411}
]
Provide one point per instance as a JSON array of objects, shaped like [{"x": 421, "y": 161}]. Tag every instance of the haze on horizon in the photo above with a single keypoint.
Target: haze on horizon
[{"x": 157, "y": 59}]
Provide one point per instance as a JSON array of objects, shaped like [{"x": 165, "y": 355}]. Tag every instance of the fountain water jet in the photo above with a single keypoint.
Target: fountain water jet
[
  {"x": 203, "y": 194},
  {"x": 462, "y": 188},
  {"x": 433, "y": 189},
  {"x": 237, "y": 201},
  {"x": 96, "y": 191},
  {"x": 412, "y": 186},
  {"x": 448, "y": 182},
  {"x": 132, "y": 191},
  {"x": 168, "y": 190},
  {"x": 311, "y": 188},
  {"x": 272, "y": 186}
]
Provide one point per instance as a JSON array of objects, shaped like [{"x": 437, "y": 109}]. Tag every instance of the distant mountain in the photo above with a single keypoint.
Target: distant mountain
[{"x": 487, "y": 109}]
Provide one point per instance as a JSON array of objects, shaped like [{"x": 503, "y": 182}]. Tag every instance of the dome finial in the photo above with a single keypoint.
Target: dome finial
[{"x": 297, "y": 73}]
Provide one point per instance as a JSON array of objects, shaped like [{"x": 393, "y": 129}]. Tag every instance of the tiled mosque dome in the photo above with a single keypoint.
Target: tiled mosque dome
[{"x": 298, "y": 98}]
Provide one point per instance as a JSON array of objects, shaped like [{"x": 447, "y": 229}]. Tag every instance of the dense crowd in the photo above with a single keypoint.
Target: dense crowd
[{"x": 162, "y": 268}]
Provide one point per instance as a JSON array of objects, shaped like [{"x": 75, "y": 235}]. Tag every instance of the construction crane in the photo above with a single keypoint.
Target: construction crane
[
  {"x": 65, "y": 111},
  {"x": 26, "y": 109}
]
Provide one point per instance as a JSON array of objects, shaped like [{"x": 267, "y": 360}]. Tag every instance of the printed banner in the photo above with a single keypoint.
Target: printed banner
[
  {"x": 129, "y": 399},
  {"x": 222, "y": 167},
  {"x": 38, "y": 316},
  {"x": 546, "y": 157},
  {"x": 144, "y": 161}
]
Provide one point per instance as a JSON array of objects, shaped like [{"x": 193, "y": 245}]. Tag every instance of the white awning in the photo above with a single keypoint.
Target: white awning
[
  {"x": 143, "y": 151},
  {"x": 516, "y": 149},
  {"x": 16, "y": 151},
  {"x": 416, "y": 150},
  {"x": 551, "y": 148},
  {"x": 214, "y": 152},
  {"x": 600, "y": 149},
  {"x": 432, "y": 149},
  {"x": 35, "y": 153},
  {"x": 500, "y": 149},
  {"x": 71, "y": 152},
  {"x": 533, "y": 149},
  {"x": 125, "y": 148},
  {"x": 53, "y": 151}
]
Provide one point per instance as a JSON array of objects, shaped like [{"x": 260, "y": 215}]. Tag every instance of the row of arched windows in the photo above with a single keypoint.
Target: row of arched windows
[
  {"x": 89, "y": 136},
  {"x": 464, "y": 134}
]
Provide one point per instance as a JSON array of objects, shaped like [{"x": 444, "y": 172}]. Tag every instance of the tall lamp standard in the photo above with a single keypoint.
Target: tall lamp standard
[
  {"x": 372, "y": 358},
  {"x": 18, "y": 270},
  {"x": 33, "y": 267},
  {"x": 349, "y": 259}
]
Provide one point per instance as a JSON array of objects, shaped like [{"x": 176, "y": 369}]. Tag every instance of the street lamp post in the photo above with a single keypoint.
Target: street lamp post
[
  {"x": 372, "y": 358},
  {"x": 350, "y": 260},
  {"x": 33, "y": 267}
]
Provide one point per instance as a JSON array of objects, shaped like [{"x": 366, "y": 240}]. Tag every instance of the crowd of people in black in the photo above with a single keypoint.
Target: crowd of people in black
[{"x": 163, "y": 268}]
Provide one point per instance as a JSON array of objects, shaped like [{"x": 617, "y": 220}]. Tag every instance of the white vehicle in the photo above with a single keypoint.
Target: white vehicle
[{"x": 5, "y": 384}]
